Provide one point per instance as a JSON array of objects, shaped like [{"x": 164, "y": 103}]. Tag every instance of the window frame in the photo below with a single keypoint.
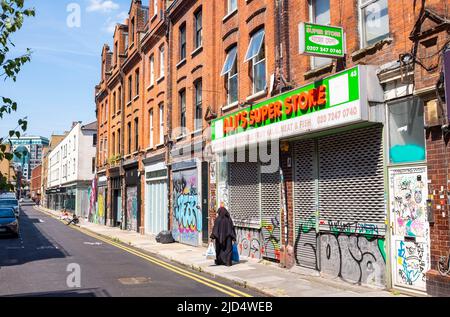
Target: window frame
[
  {"x": 151, "y": 128},
  {"x": 161, "y": 123},
  {"x": 162, "y": 58},
  {"x": 136, "y": 134},
  {"x": 230, "y": 9},
  {"x": 137, "y": 82},
  {"x": 152, "y": 69},
  {"x": 130, "y": 88},
  {"x": 312, "y": 18},
  {"x": 256, "y": 62},
  {"x": 198, "y": 31},
  {"x": 198, "y": 104},
  {"x": 182, "y": 108},
  {"x": 362, "y": 29},
  {"x": 182, "y": 42}
]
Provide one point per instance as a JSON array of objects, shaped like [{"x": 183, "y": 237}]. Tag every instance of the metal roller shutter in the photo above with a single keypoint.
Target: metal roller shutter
[
  {"x": 351, "y": 182},
  {"x": 305, "y": 210},
  {"x": 244, "y": 194},
  {"x": 270, "y": 214}
]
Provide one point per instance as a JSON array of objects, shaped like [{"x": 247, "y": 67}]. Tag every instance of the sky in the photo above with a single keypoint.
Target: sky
[{"x": 57, "y": 87}]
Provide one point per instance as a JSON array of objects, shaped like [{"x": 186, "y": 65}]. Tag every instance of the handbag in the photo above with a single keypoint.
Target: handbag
[
  {"x": 235, "y": 256},
  {"x": 211, "y": 252}
]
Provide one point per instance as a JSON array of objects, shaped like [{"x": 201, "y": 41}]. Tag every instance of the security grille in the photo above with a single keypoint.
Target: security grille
[
  {"x": 270, "y": 213},
  {"x": 305, "y": 193},
  {"x": 351, "y": 183},
  {"x": 244, "y": 194}
]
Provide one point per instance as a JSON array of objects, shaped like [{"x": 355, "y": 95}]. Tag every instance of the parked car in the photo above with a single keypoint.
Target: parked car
[
  {"x": 11, "y": 203},
  {"x": 9, "y": 223}
]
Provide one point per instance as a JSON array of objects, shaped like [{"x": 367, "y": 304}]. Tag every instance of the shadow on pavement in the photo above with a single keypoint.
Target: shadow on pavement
[
  {"x": 33, "y": 244},
  {"x": 89, "y": 292}
]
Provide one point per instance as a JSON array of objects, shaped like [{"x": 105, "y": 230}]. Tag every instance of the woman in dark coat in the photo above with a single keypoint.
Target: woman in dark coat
[{"x": 224, "y": 234}]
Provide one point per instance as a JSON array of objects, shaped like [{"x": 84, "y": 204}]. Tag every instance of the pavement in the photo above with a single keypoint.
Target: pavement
[
  {"x": 261, "y": 275},
  {"x": 51, "y": 259}
]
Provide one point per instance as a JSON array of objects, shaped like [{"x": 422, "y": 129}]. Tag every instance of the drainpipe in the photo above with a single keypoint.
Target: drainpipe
[{"x": 168, "y": 141}]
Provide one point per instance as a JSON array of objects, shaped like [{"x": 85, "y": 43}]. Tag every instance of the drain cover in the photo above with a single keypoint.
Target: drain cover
[{"x": 134, "y": 280}]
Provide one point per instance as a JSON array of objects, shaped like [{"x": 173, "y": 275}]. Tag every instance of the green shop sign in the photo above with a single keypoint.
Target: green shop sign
[
  {"x": 321, "y": 40},
  {"x": 333, "y": 101}
]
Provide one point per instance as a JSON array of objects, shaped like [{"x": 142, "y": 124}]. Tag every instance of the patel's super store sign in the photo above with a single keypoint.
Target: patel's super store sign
[{"x": 334, "y": 101}]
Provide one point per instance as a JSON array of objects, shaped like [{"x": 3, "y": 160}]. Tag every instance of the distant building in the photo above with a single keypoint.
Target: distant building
[
  {"x": 70, "y": 169},
  {"x": 7, "y": 169},
  {"x": 31, "y": 148},
  {"x": 35, "y": 184}
]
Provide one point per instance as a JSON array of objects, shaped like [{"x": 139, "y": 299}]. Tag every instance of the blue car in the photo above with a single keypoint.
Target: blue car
[
  {"x": 9, "y": 223},
  {"x": 10, "y": 203}
]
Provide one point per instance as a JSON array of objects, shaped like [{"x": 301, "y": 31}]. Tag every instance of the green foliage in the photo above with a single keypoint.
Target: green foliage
[{"x": 12, "y": 16}]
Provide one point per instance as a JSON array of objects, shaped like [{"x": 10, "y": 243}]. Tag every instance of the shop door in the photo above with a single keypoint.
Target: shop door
[
  {"x": 132, "y": 209},
  {"x": 305, "y": 203},
  {"x": 410, "y": 228},
  {"x": 156, "y": 207}
]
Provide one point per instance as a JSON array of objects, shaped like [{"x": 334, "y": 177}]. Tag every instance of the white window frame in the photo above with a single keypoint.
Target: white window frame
[
  {"x": 151, "y": 127},
  {"x": 229, "y": 78},
  {"x": 161, "y": 123},
  {"x": 198, "y": 124},
  {"x": 256, "y": 63},
  {"x": 198, "y": 40},
  {"x": 161, "y": 61},
  {"x": 155, "y": 8},
  {"x": 152, "y": 69},
  {"x": 229, "y": 8},
  {"x": 361, "y": 7}
]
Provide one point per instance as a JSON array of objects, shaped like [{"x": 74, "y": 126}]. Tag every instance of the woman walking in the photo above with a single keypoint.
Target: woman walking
[{"x": 224, "y": 234}]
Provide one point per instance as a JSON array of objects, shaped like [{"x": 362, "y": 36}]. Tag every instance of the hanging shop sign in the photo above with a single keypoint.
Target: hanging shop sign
[
  {"x": 321, "y": 40},
  {"x": 337, "y": 100}
]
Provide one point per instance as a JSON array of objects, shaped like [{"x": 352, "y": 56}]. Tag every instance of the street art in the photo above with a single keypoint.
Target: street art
[
  {"x": 411, "y": 263},
  {"x": 355, "y": 259},
  {"x": 408, "y": 192},
  {"x": 100, "y": 213},
  {"x": 132, "y": 209},
  {"x": 366, "y": 229},
  {"x": 351, "y": 251},
  {"x": 92, "y": 192},
  {"x": 249, "y": 242},
  {"x": 270, "y": 232},
  {"x": 187, "y": 215},
  {"x": 305, "y": 243}
]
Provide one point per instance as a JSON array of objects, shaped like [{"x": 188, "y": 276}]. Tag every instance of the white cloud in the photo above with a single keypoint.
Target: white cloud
[
  {"x": 102, "y": 6},
  {"x": 111, "y": 22}
]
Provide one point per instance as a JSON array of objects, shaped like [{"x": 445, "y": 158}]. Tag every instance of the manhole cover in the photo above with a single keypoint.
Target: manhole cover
[{"x": 134, "y": 280}]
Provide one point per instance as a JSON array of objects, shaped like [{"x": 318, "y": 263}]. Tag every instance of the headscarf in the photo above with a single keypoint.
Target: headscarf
[{"x": 223, "y": 227}]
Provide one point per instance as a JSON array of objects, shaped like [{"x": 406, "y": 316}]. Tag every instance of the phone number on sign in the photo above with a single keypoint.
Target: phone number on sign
[{"x": 337, "y": 115}]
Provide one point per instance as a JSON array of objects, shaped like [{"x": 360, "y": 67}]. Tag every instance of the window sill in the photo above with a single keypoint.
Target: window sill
[
  {"x": 180, "y": 137},
  {"x": 318, "y": 71},
  {"x": 160, "y": 79},
  {"x": 136, "y": 98},
  {"x": 229, "y": 15},
  {"x": 181, "y": 63},
  {"x": 230, "y": 106},
  {"x": 159, "y": 145},
  {"x": 151, "y": 86},
  {"x": 257, "y": 95},
  {"x": 131, "y": 46},
  {"x": 369, "y": 50},
  {"x": 129, "y": 103},
  {"x": 198, "y": 50},
  {"x": 153, "y": 17}
]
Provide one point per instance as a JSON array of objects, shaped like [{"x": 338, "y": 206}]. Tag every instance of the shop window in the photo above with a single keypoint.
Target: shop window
[
  {"x": 406, "y": 131},
  {"x": 374, "y": 21}
]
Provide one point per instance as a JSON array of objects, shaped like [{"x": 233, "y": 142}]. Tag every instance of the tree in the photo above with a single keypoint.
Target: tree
[{"x": 12, "y": 15}]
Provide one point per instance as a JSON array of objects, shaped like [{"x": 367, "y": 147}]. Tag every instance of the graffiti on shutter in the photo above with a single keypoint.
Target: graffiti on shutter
[
  {"x": 351, "y": 182},
  {"x": 270, "y": 214},
  {"x": 305, "y": 210}
]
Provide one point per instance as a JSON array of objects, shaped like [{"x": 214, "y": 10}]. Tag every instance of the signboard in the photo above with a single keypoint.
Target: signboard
[
  {"x": 333, "y": 101},
  {"x": 321, "y": 40}
]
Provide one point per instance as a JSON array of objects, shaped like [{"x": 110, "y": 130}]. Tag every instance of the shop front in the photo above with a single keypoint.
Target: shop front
[
  {"x": 156, "y": 191},
  {"x": 318, "y": 152},
  {"x": 131, "y": 217},
  {"x": 116, "y": 197}
]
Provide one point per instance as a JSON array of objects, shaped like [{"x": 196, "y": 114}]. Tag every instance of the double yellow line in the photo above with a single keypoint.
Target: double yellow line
[{"x": 196, "y": 277}]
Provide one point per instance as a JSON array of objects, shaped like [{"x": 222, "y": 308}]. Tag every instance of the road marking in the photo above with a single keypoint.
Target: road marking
[
  {"x": 93, "y": 243},
  {"x": 198, "y": 278}
]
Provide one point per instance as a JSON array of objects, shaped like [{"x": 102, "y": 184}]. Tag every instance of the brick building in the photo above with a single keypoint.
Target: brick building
[
  {"x": 35, "y": 183},
  {"x": 358, "y": 190}
]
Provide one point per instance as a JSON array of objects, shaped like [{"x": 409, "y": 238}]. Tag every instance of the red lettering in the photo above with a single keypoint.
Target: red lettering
[
  {"x": 288, "y": 106},
  {"x": 322, "y": 95}
]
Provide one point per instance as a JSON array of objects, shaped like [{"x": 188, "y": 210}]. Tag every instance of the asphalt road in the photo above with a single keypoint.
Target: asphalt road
[{"x": 48, "y": 254}]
